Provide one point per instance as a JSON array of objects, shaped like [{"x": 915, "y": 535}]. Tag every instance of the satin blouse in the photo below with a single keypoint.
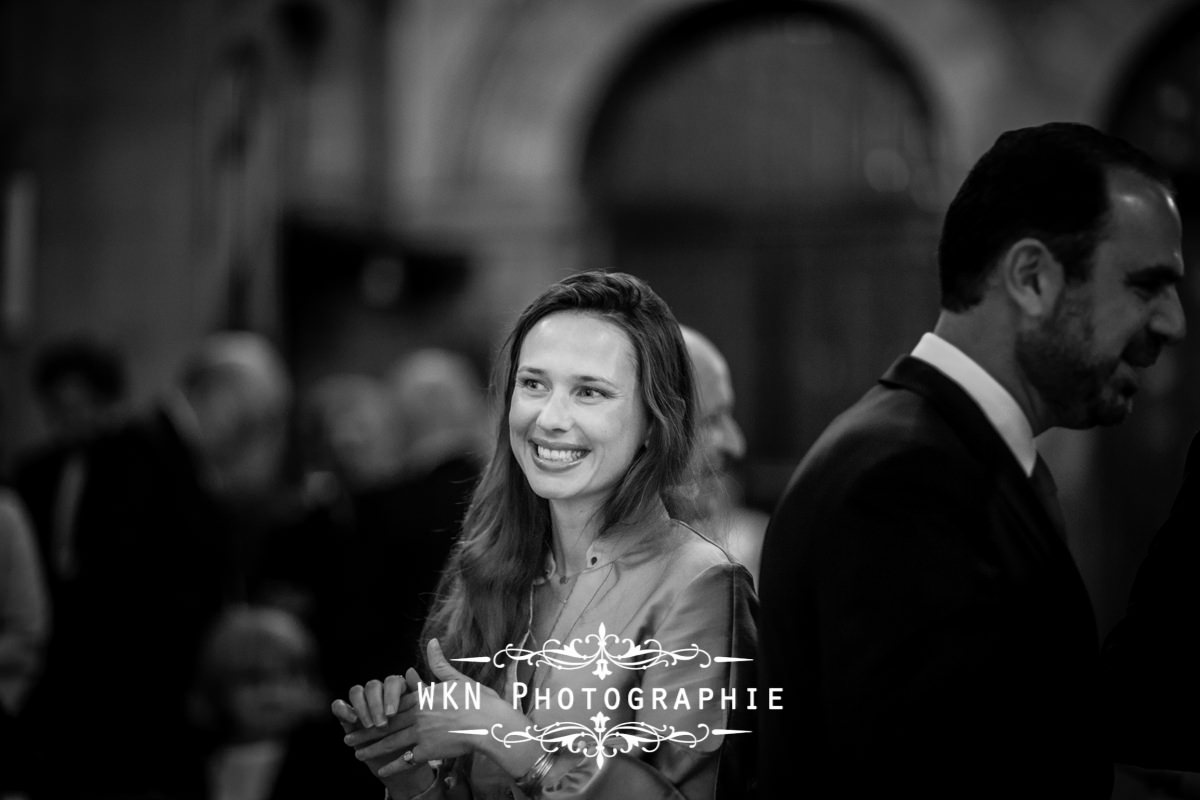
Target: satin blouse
[{"x": 673, "y": 607}]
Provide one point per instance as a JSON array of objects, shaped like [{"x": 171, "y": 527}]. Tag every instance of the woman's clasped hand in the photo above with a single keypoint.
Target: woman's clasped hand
[{"x": 401, "y": 723}]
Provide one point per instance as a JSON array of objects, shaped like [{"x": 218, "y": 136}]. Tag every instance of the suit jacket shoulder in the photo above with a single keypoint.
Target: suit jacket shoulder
[
  {"x": 916, "y": 445},
  {"x": 918, "y": 606}
]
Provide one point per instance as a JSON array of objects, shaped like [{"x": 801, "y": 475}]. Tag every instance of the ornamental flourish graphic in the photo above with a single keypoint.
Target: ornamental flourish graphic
[
  {"x": 600, "y": 743},
  {"x": 605, "y": 652},
  {"x": 636, "y": 656}
]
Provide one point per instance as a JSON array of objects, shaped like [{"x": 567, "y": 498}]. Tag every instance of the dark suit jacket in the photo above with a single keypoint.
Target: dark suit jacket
[
  {"x": 926, "y": 622},
  {"x": 316, "y": 764},
  {"x": 368, "y": 569},
  {"x": 37, "y": 478},
  {"x": 153, "y": 573},
  {"x": 1152, "y": 657}
]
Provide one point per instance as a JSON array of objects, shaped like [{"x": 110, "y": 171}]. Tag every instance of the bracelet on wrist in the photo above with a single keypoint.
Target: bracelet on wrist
[{"x": 531, "y": 782}]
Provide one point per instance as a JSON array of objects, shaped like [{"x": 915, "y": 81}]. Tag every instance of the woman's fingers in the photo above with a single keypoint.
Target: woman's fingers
[
  {"x": 400, "y": 764},
  {"x": 393, "y": 688},
  {"x": 376, "y": 701},
  {"x": 345, "y": 715},
  {"x": 440, "y": 665},
  {"x": 364, "y": 736},
  {"x": 374, "y": 697},
  {"x": 391, "y": 745},
  {"x": 408, "y": 702},
  {"x": 397, "y": 723},
  {"x": 358, "y": 701}
]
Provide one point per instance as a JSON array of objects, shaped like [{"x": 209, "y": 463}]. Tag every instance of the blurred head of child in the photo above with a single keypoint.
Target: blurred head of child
[{"x": 257, "y": 677}]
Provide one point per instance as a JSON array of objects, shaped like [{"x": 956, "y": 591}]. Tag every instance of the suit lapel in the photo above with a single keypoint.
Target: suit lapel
[{"x": 981, "y": 438}]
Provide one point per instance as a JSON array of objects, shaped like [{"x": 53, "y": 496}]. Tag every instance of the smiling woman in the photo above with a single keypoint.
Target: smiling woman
[
  {"x": 576, "y": 421},
  {"x": 570, "y": 561}
]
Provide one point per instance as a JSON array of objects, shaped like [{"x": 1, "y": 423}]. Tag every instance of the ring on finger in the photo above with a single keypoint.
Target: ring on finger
[{"x": 408, "y": 757}]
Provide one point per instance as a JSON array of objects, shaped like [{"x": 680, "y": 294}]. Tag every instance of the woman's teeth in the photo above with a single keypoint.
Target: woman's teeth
[{"x": 562, "y": 456}]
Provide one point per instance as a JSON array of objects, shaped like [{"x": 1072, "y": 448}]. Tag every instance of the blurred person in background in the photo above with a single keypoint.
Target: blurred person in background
[
  {"x": 80, "y": 387},
  {"x": 350, "y": 437},
  {"x": 350, "y": 454},
  {"x": 24, "y": 627},
  {"x": 712, "y": 504},
  {"x": 155, "y": 563},
  {"x": 444, "y": 414},
  {"x": 374, "y": 507},
  {"x": 258, "y": 727}
]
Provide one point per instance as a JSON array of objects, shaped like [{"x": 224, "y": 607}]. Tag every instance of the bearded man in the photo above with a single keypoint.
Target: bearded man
[{"x": 920, "y": 608}]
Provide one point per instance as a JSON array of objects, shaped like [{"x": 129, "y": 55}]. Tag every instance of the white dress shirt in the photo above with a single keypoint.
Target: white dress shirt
[{"x": 998, "y": 405}]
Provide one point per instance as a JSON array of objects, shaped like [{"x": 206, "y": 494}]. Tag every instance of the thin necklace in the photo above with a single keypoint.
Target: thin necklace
[
  {"x": 533, "y": 678},
  {"x": 563, "y": 607}
]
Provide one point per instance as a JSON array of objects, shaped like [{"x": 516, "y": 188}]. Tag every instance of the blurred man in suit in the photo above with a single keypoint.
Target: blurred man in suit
[
  {"x": 155, "y": 565},
  {"x": 80, "y": 387},
  {"x": 337, "y": 567},
  {"x": 920, "y": 608}
]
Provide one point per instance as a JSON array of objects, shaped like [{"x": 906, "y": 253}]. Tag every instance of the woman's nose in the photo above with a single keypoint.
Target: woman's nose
[{"x": 555, "y": 414}]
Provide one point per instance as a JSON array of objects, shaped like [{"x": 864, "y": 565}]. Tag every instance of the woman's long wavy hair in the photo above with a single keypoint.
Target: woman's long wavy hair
[{"x": 483, "y": 597}]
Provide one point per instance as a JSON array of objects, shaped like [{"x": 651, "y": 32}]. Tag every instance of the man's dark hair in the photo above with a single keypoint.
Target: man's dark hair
[
  {"x": 96, "y": 365},
  {"x": 1049, "y": 183}
]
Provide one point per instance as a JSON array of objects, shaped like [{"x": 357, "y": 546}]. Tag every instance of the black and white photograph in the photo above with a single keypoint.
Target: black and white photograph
[{"x": 608, "y": 399}]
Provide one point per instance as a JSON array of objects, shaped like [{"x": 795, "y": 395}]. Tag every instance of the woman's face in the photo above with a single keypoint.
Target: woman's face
[{"x": 577, "y": 417}]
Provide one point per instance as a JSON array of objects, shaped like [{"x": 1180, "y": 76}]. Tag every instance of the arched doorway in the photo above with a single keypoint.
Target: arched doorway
[{"x": 771, "y": 170}]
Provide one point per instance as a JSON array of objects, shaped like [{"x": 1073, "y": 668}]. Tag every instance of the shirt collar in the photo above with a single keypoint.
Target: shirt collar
[
  {"x": 621, "y": 542},
  {"x": 998, "y": 405}
]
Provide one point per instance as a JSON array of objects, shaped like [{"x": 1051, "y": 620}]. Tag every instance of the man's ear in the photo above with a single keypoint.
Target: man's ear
[{"x": 1032, "y": 277}]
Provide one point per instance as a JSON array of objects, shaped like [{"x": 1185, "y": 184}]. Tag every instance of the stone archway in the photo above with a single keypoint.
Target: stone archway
[{"x": 772, "y": 170}]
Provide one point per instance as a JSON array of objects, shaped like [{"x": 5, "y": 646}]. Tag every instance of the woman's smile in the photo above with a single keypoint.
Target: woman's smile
[
  {"x": 557, "y": 455},
  {"x": 576, "y": 419}
]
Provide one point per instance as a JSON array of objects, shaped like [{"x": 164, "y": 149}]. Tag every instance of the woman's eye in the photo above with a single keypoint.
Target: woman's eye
[
  {"x": 591, "y": 392},
  {"x": 532, "y": 384}
]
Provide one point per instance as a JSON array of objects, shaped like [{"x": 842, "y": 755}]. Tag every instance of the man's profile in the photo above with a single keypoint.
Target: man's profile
[{"x": 920, "y": 607}]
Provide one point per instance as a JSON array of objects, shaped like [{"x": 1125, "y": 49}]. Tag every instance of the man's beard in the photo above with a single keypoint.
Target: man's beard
[{"x": 1076, "y": 387}]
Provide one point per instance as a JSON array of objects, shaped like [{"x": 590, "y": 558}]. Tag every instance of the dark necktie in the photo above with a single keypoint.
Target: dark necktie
[{"x": 1047, "y": 489}]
